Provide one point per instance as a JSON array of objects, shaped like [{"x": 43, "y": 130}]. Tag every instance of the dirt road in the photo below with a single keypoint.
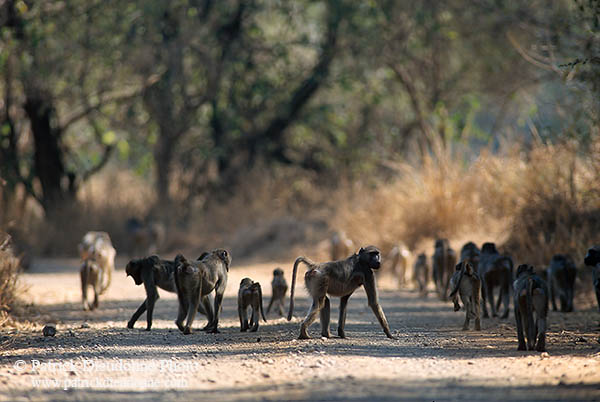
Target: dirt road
[{"x": 94, "y": 357}]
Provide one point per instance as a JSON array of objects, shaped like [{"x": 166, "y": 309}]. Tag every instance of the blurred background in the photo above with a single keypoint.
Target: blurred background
[{"x": 265, "y": 126}]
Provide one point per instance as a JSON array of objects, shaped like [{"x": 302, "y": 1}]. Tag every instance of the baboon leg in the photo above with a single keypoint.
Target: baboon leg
[
  {"x": 270, "y": 304},
  {"x": 310, "y": 318},
  {"x": 213, "y": 328},
  {"x": 325, "y": 318},
  {"x": 243, "y": 319},
  {"x": 551, "y": 294},
  {"x": 281, "y": 307},
  {"x": 84, "y": 279},
  {"x": 192, "y": 309},
  {"x": 467, "y": 313},
  {"x": 476, "y": 311},
  {"x": 540, "y": 306},
  {"x": 484, "y": 299},
  {"x": 342, "y": 320},
  {"x": 208, "y": 309},
  {"x": 255, "y": 316},
  {"x": 141, "y": 309},
  {"x": 150, "y": 300},
  {"x": 96, "y": 292},
  {"x": 598, "y": 297},
  {"x": 506, "y": 299},
  {"x": 520, "y": 336},
  {"x": 490, "y": 297},
  {"x": 181, "y": 313}
]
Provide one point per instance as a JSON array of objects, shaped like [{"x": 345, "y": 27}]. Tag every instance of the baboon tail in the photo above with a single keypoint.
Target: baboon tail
[
  {"x": 260, "y": 300},
  {"x": 298, "y": 261},
  {"x": 529, "y": 303},
  {"x": 177, "y": 277},
  {"x": 109, "y": 269},
  {"x": 457, "y": 284}
]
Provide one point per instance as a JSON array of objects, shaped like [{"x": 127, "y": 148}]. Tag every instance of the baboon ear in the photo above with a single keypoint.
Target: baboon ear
[
  {"x": 362, "y": 250},
  {"x": 180, "y": 259}
]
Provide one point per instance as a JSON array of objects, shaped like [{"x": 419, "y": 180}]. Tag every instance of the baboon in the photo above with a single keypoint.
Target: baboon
[
  {"x": 250, "y": 295},
  {"x": 495, "y": 270},
  {"x": 156, "y": 273},
  {"x": 279, "y": 287},
  {"x": 470, "y": 253},
  {"x": 444, "y": 260},
  {"x": 144, "y": 238},
  {"x": 91, "y": 275},
  {"x": 398, "y": 260},
  {"x": 561, "y": 281},
  {"x": 592, "y": 259},
  {"x": 531, "y": 296},
  {"x": 341, "y": 246},
  {"x": 421, "y": 273},
  {"x": 196, "y": 279},
  {"x": 466, "y": 283},
  {"x": 341, "y": 279},
  {"x": 97, "y": 246}
]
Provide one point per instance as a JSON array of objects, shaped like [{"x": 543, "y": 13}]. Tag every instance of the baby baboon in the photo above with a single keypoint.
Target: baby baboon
[
  {"x": 495, "y": 270},
  {"x": 444, "y": 261},
  {"x": 250, "y": 295},
  {"x": 421, "y": 273},
  {"x": 341, "y": 279},
  {"x": 341, "y": 246},
  {"x": 470, "y": 253},
  {"x": 561, "y": 281},
  {"x": 156, "y": 273},
  {"x": 592, "y": 259},
  {"x": 397, "y": 259},
  {"x": 91, "y": 275},
  {"x": 531, "y": 296},
  {"x": 97, "y": 246},
  {"x": 466, "y": 283},
  {"x": 279, "y": 287},
  {"x": 197, "y": 279}
]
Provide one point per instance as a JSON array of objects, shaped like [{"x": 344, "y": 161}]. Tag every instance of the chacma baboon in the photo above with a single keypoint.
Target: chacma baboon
[
  {"x": 421, "y": 273},
  {"x": 592, "y": 259},
  {"x": 561, "y": 281},
  {"x": 341, "y": 279},
  {"x": 531, "y": 296},
  {"x": 195, "y": 280},
  {"x": 144, "y": 238},
  {"x": 250, "y": 295},
  {"x": 470, "y": 253},
  {"x": 341, "y": 246},
  {"x": 444, "y": 261},
  {"x": 466, "y": 283},
  {"x": 495, "y": 270},
  {"x": 98, "y": 247},
  {"x": 156, "y": 273},
  {"x": 397, "y": 260},
  {"x": 279, "y": 288},
  {"x": 91, "y": 275}
]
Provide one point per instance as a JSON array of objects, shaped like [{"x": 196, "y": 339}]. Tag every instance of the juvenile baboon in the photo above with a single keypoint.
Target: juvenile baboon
[
  {"x": 444, "y": 261},
  {"x": 495, "y": 270},
  {"x": 98, "y": 247},
  {"x": 250, "y": 295},
  {"x": 156, "y": 273},
  {"x": 470, "y": 253},
  {"x": 91, "y": 275},
  {"x": 592, "y": 259},
  {"x": 397, "y": 260},
  {"x": 144, "y": 238},
  {"x": 196, "y": 279},
  {"x": 279, "y": 288},
  {"x": 531, "y": 297},
  {"x": 341, "y": 246},
  {"x": 421, "y": 273},
  {"x": 561, "y": 281},
  {"x": 339, "y": 278},
  {"x": 466, "y": 283}
]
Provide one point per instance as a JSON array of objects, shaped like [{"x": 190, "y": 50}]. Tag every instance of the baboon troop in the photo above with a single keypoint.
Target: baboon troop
[
  {"x": 495, "y": 271},
  {"x": 250, "y": 295},
  {"x": 98, "y": 256},
  {"x": 466, "y": 283},
  {"x": 561, "y": 281},
  {"x": 444, "y": 261},
  {"x": 341, "y": 279},
  {"x": 341, "y": 246},
  {"x": 279, "y": 288},
  {"x": 531, "y": 309}
]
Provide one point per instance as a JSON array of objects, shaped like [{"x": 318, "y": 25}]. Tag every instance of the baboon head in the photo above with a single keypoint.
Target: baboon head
[
  {"x": 440, "y": 243},
  {"x": 593, "y": 256},
  {"x": 278, "y": 272},
  {"x": 370, "y": 256},
  {"x": 489, "y": 248},
  {"x": 134, "y": 267},
  {"x": 524, "y": 269},
  {"x": 245, "y": 282},
  {"x": 224, "y": 256}
]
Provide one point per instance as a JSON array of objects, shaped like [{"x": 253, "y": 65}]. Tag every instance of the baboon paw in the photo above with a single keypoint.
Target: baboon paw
[
  {"x": 214, "y": 331},
  {"x": 456, "y": 307},
  {"x": 521, "y": 347},
  {"x": 243, "y": 330},
  {"x": 465, "y": 328},
  {"x": 540, "y": 348},
  {"x": 504, "y": 316},
  {"x": 477, "y": 327},
  {"x": 147, "y": 328},
  {"x": 187, "y": 331},
  {"x": 254, "y": 329},
  {"x": 303, "y": 336},
  {"x": 341, "y": 334},
  {"x": 130, "y": 325},
  {"x": 327, "y": 335}
]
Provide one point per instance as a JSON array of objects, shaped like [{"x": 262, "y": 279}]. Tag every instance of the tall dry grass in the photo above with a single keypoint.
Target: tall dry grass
[{"x": 9, "y": 286}]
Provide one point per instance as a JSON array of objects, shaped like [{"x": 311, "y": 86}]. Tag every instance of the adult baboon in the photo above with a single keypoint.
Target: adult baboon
[
  {"x": 97, "y": 246},
  {"x": 397, "y": 260},
  {"x": 466, "y": 283},
  {"x": 91, "y": 275},
  {"x": 196, "y": 279},
  {"x": 156, "y": 273},
  {"x": 561, "y": 281},
  {"x": 279, "y": 288},
  {"x": 444, "y": 261},
  {"x": 144, "y": 238},
  {"x": 495, "y": 270},
  {"x": 592, "y": 259},
  {"x": 250, "y": 295},
  {"x": 421, "y": 273},
  {"x": 341, "y": 246},
  {"x": 341, "y": 279},
  {"x": 470, "y": 253},
  {"x": 531, "y": 297}
]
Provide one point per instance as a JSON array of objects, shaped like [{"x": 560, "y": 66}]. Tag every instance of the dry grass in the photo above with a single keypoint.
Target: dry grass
[{"x": 9, "y": 285}]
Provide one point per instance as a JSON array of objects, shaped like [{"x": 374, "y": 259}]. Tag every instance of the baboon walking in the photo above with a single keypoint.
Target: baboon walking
[
  {"x": 98, "y": 247},
  {"x": 531, "y": 298},
  {"x": 444, "y": 261},
  {"x": 397, "y": 259},
  {"x": 341, "y": 246},
  {"x": 279, "y": 288},
  {"x": 421, "y": 274},
  {"x": 495, "y": 270},
  {"x": 561, "y": 281},
  {"x": 592, "y": 259},
  {"x": 250, "y": 295},
  {"x": 466, "y": 283},
  {"x": 91, "y": 275}
]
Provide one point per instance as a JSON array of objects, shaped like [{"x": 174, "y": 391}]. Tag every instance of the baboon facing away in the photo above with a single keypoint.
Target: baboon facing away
[
  {"x": 592, "y": 259},
  {"x": 561, "y": 281},
  {"x": 444, "y": 261},
  {"x": 279, "y": 288},
  {"x": 531, "y": 298},
  {"x": 91, "y": 275},
  {"x": 470, "y": 253},
  {"x": 250, "y": 295},
  {"x": 397, "y": 260},
  {"x": 466, "y": 283},
  {"x": 155, "y": 273},
  {"x": 339, "y": 278},
  {"x": 421, "y": 273},
  {"x": 495, "y": 270},
  {"x": 341, "y": 246},
  {"x": 98, "y": 247}
]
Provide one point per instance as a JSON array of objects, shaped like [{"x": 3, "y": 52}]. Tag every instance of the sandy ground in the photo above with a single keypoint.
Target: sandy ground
[{"x": 95, "y": 357}]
